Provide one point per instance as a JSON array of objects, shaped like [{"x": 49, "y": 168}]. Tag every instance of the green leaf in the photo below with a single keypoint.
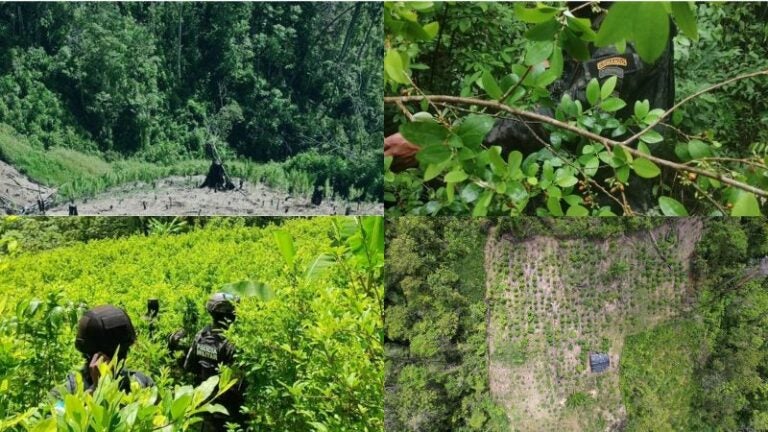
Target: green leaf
[
  {"x": 590, "y": 167},
  {"x": 481, "y": 208},
  {"x": 514, "y": 160},
  {"x": 424, "y": 133},
  {"x": 651, "y": 137},
  {"x": 622, "y": 173},
  {"x": 582, "y": 26},
  {"x": 642, "y": 108},
  {"x": 553, "y": 205},
  {"x": 608, "y": 86},
  {"x": 434, "y": 154},
  {"x": 180, "y": 405},
  {"x": 470, "y": 193},
  {"x": 456, "y": 176},
  {"x": 538, "y": 52},
  {"x": 433, "y": 170},
  {"x": 612, "y": 104},
  {"x": 431, "y": 29},
  {"x": 497, "y": 163},
  {"x": 593, "y": 92},
  {"x": 645, "y": 168},
  {"x": 556, "y": 61},
  {"x": 474, "y": 128},
  {"x": 285, "y": 244},
  {"x": 249, "y": 288},
  {"x": 644, "y": 23},
  {"x": 573, "y": 200},
  {"x": 698, "y": 149},
  {"x": 322, "y": 262},
  {"x": 393, "y": 66},
  {"x": 651, "y": 30},
  {"x": 491, "y": 86},
  {"x": 544, "y": 31},
  {"x": 672, "y": 207},
  {"x": 577, "y": 210},
  {"x": 567, "y": 181},
  {"x": 681, "y": 151},
  {"x": 685, "y": 19},
  {"x": 576, "y": 47},
  {"x": 745, "y": 204},
  {"x": 204, "y": 390},
  {"x": 534, "y": 15}
]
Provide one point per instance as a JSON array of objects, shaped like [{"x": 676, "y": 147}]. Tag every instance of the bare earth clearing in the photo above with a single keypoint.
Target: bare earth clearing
[
  {"x": 174, "y": 196},
  {"x": 552, "y": 301},
  {"x": 182, "y": 196}
]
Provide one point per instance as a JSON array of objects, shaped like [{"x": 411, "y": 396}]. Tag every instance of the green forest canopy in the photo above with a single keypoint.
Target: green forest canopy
[
  {"x": 435, "y": 323},
  {"x": 159, "y": 82}
]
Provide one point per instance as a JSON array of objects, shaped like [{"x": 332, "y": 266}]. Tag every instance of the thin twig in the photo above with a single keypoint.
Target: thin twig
[
  {"x": 709, "y": 198},
  {"x": 405, "y": 111},
  {"x": 627, "y": 209},
  {"x": 514, "y": 87},
  {"x": 584, "y": 133},
  {"x": 728, "y": 159},
  {"x": 695, "y": 95}
]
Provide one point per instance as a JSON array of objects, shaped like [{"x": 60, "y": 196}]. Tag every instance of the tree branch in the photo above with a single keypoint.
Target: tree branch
[
  {"x": 695, "y": 95},
  {"x": 583, "y": 133}
]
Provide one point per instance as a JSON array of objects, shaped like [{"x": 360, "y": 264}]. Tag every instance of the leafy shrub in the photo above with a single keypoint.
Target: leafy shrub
[{"x": 311, "y": 354}]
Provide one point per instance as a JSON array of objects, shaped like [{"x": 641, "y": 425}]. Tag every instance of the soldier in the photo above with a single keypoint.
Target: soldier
[
  {"x": 102, "y": 332},
  {"x": 210, "y": 349},
  {"x": 637, "y": 81}
]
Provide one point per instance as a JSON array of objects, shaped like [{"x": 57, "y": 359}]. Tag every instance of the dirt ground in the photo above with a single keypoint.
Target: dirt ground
[
  {"x": 173, "y": 196},
  {"x": 17, "y": 191},
  {"x": 181, "y": 196}
]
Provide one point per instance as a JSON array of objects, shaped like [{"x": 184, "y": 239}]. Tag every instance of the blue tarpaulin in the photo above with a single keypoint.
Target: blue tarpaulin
[{"x": 599, "y": 362}]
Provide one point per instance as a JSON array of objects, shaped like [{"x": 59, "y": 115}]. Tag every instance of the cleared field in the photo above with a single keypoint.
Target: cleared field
[{"x": 552, "y": 301}]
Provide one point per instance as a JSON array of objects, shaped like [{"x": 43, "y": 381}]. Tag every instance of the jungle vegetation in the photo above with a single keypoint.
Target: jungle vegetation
[
  {"x": 452, "y": 69},
  {"x": 95, "y": 94},
  {"x": 702, "y": 369}
]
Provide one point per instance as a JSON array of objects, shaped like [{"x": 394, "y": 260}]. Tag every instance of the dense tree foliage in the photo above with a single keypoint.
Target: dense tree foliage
[
  {"x": 160, "y": 82},
  {"x": 436, "y": 373},
  {"x": 450, "y": 73},
  {"x": 703, "y": 370}
]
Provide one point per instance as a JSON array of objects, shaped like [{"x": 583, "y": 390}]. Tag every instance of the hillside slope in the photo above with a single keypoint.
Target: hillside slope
[{"x": 17, "y": 191}]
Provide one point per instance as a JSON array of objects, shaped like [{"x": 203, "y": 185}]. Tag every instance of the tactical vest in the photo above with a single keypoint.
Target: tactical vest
[
  {"x": 636, "y": 80},
  {"x": 209, "y": 349}
]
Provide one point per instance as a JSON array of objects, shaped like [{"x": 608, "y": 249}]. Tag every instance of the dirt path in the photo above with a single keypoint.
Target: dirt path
[{"x": 18, "y": 191}]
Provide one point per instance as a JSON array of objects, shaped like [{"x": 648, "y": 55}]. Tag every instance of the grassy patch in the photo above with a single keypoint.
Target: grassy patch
[{"x": 657, "y": 377}]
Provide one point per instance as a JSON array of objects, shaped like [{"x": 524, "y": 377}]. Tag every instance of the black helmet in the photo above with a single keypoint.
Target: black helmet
[
  {"x": 222, "y": 306},
  {"x": 104, "y": 328}
]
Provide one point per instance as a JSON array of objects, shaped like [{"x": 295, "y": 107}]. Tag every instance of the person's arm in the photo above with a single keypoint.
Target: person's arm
[{"x": 402, "y": 151}]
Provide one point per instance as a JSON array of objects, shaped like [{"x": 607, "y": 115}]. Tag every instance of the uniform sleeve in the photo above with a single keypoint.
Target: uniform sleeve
[{"x": 190, "y": 361}]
